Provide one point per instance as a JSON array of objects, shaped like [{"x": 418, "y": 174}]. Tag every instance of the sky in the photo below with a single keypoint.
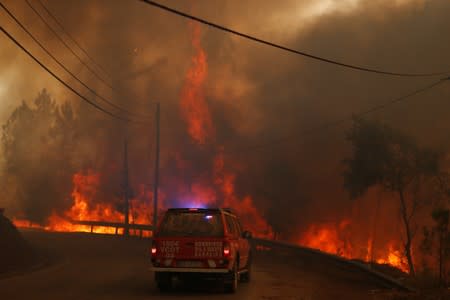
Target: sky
[{"x": 256, "y": 94}]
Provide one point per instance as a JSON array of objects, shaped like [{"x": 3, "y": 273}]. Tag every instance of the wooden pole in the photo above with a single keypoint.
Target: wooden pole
[
  {"x": 126, "y": 189},
  {"x": 156, "y": 179}
]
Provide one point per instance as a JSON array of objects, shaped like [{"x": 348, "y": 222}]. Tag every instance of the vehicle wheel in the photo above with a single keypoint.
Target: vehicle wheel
[
  {"x": 163, "y": 281},
  {"x": 231, "y": 281},
  {"x": 245, "y": 277}
]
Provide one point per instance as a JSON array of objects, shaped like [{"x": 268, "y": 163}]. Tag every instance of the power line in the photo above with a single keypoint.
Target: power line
[
  {"x": 62, "y": 65},
  {"x": 284, "y": 48},
  {"x": 95, "y": 105},
  {"x": 59, "y": 23},
  {"x": 72, "y": 38},
  {"x": 67, "y": 46},
  {"x": 73, "y": 52},
  {"x": 339, "y": 121}
]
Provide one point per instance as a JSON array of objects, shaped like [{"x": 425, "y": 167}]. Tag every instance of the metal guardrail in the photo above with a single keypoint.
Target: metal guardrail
[
  {"x": 391, "y": 281},
  {"x": 116, "y": 225}
]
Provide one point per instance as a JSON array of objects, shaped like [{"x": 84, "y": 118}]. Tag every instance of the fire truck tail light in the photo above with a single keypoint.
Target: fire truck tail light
[
  {"x": 226, "y": 249},
  {"x": 153, "y": 249}
]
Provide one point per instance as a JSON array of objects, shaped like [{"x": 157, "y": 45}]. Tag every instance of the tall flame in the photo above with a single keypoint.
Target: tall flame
[
  {"x": 196, "y": 113},
  {"x": 194, "y": 109}
]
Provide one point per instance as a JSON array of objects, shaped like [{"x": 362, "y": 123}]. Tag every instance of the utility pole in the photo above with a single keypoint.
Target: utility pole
[
  {"x": 156, "y": 182},
  {"x": 126, "y": 189}
]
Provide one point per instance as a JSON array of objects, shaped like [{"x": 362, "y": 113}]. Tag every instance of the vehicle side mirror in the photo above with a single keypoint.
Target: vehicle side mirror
[{"x": 247, "y": 235}]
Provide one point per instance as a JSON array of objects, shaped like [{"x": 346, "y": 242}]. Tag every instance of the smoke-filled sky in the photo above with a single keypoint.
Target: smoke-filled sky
[{"x": 256, "y": 94}]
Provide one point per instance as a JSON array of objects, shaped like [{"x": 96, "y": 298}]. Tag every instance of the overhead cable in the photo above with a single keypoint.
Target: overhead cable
[
  {"x": 68, "y": 47},
  {"x": 55, "y": 19},
  {"x": 284, "y": 48},
  {"x": 63, "y": 66},
  {"x": 328, "y": 125},
  {"x": 92, "y": 103}
]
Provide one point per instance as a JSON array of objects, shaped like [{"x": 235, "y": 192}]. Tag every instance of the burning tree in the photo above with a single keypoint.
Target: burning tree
[{"x": 384, "y": 157}]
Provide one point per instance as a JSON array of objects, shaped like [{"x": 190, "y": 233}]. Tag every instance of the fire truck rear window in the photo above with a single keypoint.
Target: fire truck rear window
[{"x": 192, "y": 224}]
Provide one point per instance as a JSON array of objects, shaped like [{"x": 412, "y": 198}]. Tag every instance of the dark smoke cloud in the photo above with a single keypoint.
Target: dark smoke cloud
[{"x": 256, "y": 94}]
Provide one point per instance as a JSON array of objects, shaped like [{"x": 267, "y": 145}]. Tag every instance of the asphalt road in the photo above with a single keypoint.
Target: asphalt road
[{"x": 88, "y": 266}]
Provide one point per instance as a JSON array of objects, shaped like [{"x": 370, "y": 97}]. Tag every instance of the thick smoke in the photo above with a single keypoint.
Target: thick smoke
[{"x": 256, "y": 94}]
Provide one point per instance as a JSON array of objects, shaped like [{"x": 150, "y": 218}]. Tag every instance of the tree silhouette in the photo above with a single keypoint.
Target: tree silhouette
[
  {"x": 37, "y": 140},
  {"x": 384, "y": 157}
]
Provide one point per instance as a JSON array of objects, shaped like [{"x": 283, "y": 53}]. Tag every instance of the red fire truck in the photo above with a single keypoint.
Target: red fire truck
[{"x": 193, "y": 242}]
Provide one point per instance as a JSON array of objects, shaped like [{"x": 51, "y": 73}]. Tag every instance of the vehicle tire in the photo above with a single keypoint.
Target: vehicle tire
[
  {"x": 246, "y": 276},
  {"x": 231, "y": 280},
  {"x": 163, "y": 281}
]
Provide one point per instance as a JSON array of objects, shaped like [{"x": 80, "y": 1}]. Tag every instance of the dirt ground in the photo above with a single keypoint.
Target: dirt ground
[{"x": 15, "y": 252}]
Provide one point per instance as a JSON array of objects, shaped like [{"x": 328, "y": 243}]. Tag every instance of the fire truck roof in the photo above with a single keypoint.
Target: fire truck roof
[{"x": 228, "y": 210}]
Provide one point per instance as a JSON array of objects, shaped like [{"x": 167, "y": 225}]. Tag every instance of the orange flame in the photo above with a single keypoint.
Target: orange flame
[
  {"x": 23, "y": 223},
  {"x": 85, "y": 187},
  {"x": 328, "y": 238},
  {"x": 84, "y": 191},
  {"x": 200, "y": 128},
  {"x": 394, "y": 258},
  {"x": 337, "y": 240},
  {"x": 193, "y": 105},
  {"x": 245, "y": 208}
]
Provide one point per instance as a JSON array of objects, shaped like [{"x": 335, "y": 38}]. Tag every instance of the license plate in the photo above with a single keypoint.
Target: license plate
[{"x": 189, "y": 264}]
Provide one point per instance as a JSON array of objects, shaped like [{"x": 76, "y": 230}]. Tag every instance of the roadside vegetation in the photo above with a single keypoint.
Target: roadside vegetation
[{"x": 417, "y": 177}]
